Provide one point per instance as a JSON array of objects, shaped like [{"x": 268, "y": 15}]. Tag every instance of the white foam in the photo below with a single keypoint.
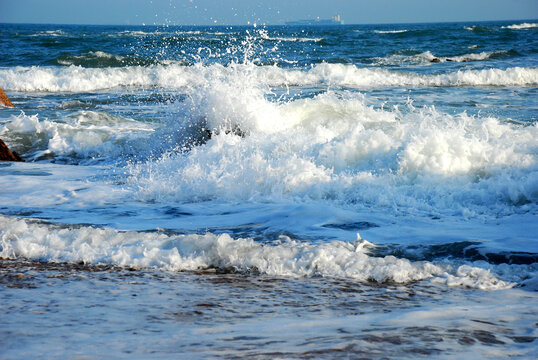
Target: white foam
[
  {"x": 51, "y": 33},
  {"x": 522, "y": 26},
  {"x": 390, "y": 31},
  {"x": 427, "y": 57},
  {"x": 264, "y": 34},
  {"x": 174, "y": 76},
  {"x": 84, "y": 134},
  {"x": 474, "y": 56},
  {"x": 335, "y": 146},
  {"x": 294, "y": 39},
  {"x": 138, "y": 33},
  {"x": 478, "y": 28},
  {"x": 90, "y": 55},
  {"x": 22, "y": 239},
  {"x": 402, "y": 59},
  {"x": 203, "y": 33}
]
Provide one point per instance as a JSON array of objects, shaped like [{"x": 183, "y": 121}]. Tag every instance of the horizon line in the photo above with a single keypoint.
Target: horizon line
[{"x": 254, "y": 24}]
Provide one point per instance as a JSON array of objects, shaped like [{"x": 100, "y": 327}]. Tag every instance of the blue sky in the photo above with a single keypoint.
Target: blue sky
[{"x": 235, "y": 12}]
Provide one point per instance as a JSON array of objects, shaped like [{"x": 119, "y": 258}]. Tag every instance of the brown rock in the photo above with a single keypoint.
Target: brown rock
[
  {"x": 436, "y": 60},
  {"x": 4, "y": 100},
  {"x": 7, "y": 155}
]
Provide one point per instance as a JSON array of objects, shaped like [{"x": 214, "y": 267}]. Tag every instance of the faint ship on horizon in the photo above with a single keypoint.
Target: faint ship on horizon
[{"x": 335, "y": 20}]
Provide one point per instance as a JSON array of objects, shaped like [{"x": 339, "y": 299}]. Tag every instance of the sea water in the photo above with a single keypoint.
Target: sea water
[{"x": 270, "y": 192}]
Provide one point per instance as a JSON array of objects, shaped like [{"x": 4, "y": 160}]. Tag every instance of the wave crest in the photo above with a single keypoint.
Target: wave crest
[
  {"x": 390, "y": 31},
  {"x": 522, "y": 26},
  {"x": 336, "y": 147},
  {"x": 286, "y": 257},
  {"x": 84, "y": 135},
  {"x": 174, "y": 76}
]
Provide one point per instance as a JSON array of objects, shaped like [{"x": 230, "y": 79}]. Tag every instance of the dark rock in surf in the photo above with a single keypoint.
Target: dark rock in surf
[
  {"x": 7, "y": 155},
  {"x": 435, "y": 60},
  {"x": 4, "y": 100}
]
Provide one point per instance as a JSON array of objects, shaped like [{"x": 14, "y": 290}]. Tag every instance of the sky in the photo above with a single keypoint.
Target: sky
[{"x": 270, "y": 12}]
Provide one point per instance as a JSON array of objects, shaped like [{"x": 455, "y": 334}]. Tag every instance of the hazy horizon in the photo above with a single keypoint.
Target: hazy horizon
[
  {"x": 265, "y": 24},
  {"x": 243, "y": 12}
]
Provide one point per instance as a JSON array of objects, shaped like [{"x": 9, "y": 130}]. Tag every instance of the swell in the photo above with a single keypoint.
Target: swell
[
  {"x": 401, "y": 57},
  {"x": 100, "y": 59}
]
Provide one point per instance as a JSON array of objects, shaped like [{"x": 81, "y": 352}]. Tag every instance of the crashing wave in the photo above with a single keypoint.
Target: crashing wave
[
  {"x": 175, "y": 76},
  {"x": 285, "y": 257},
  {"x": 521, "y": 26}
]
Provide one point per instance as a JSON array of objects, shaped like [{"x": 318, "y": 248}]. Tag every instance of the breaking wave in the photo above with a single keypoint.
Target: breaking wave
[
  {"x": 174, "y": 76},
  {"x": 427, "y": 57},
  {"x": 48, "y": 33},
  {"x": 336, "y": 147},
  {"x": 83, "y": 135},
  {"x": 390, "y": 31},
  {"x": 521, "y": 26},
  {"x": 479, "y": 28},
  {"x": 98, "y": 59},
  {"x": 283, "y": 257}
]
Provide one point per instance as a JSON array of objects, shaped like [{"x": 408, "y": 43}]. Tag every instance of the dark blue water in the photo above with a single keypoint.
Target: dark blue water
[{"x": 48, "y": 45}]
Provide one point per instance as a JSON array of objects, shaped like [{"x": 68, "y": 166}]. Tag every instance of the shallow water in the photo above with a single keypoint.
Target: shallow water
[
  {"x": 270, "y": 192},
  {"x": 108, "y": 311}
]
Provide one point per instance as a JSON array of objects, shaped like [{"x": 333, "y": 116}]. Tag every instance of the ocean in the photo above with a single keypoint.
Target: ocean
[{"x": 282, "y": 192}]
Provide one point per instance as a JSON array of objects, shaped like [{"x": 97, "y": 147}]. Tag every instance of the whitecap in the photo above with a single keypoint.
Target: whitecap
[
  {"x": 285, "y": 257},
  {"x": 51, "y": 33},
  {"x": 84, "y": 134},
  {"x": 336, "y": 147},
  {"x": 427, "y": 57},
  {"x": 390, "y": 31},
  {"x": 522, "y": 26},
  {"x": 175, "y": 76}
]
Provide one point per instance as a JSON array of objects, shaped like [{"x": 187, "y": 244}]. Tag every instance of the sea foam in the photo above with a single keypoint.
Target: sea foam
[
  {"x": 336, "y": 147},
  {"x": 174, "y": 76},
  {"x": 521, "y": 26},
  {"x": 84, "y": 134},
  {"x": 285, "y": 257},
  {"x": 390, "y": 31},
  {"x": 427, "y": 57}
]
